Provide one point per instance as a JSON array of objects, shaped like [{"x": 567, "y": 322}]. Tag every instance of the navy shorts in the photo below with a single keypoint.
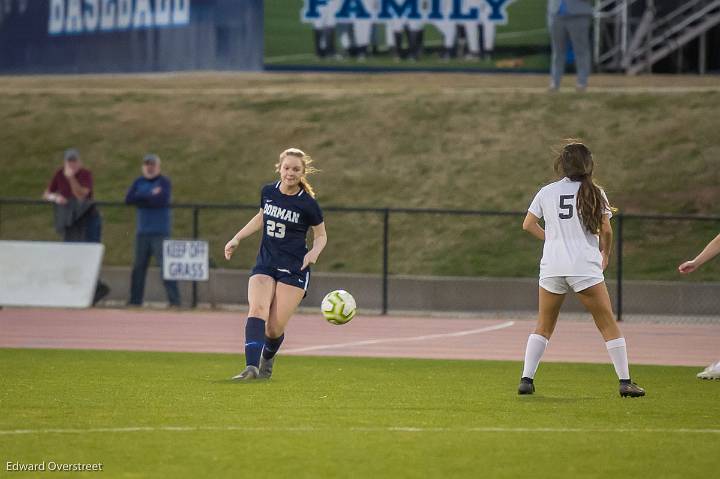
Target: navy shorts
[{"x": 285, "y": 276}]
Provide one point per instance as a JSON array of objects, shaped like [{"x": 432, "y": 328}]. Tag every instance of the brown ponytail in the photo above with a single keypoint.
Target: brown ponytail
[
  {"x": 575, "y": 161},
  {"x": 308, "y": 169},
  {"x": 591, "y": 204}
]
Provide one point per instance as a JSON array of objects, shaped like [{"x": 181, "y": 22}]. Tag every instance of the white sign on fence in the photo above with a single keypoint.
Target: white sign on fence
[{"x": 185, "y": 260}]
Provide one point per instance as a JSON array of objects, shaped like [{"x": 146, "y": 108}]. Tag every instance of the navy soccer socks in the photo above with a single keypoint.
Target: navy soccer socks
[
  {"x": 272, "y": 345},
  {"x": 254, "y": 340}
]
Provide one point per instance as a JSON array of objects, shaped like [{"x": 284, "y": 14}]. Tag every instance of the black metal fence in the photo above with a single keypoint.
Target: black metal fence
[{"x": 647, "y": 247}]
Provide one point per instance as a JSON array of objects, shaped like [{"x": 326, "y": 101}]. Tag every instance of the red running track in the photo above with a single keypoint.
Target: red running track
[{"x": 370, "y": 336}]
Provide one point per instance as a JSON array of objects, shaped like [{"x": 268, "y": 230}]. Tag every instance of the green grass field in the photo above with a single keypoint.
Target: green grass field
[
  {"x": 288, "y": 41},
  {"x": 344, "y": 417}
]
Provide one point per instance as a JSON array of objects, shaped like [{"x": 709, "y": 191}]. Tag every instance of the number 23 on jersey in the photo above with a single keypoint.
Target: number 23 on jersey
[{"x": 275, "y": 229}]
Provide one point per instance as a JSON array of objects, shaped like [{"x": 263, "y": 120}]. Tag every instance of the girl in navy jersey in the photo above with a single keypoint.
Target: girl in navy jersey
[
  {"x": 281, "y": 276},
  {"x": 578, "y": 241}
]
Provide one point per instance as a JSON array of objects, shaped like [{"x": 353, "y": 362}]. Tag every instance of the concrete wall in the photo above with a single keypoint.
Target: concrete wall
[{"x": 418, "y": 293}]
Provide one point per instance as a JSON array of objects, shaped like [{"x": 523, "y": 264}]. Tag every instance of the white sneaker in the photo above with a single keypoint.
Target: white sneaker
[{"x": 710, "y": 372}]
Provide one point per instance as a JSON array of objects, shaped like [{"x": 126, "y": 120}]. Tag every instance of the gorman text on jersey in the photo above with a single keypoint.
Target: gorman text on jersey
[{"x": 281, "y": 213}]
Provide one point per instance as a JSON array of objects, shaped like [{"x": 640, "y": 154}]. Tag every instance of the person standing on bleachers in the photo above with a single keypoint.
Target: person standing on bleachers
[{"x": 150, "y": 193}]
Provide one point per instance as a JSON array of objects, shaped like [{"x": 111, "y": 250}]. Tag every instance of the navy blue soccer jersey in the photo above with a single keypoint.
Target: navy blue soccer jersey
[{"x": 286, "y": 220}]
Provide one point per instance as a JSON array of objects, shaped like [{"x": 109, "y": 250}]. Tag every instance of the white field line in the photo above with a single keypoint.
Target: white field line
[
  {"x": 367, "y": 342},
  {"x": 562, "y": 430}
]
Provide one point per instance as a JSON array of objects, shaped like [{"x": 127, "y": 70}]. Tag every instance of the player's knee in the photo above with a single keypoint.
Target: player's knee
[{"x": 259, "y": 310}]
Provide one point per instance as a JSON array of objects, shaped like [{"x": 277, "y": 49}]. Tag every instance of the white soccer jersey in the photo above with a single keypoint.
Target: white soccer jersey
[{"x": 570, "y": 249}]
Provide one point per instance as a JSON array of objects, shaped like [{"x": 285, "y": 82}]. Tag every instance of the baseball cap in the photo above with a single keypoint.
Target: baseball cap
[
  {"x": 151, "y": 158},
  {"x": 71, "y": 154}
]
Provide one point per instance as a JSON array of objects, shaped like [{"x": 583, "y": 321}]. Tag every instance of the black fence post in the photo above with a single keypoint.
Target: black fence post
[
  {"x": 619, "y": 293},
  {"x": 195, "y": 235},
  {"x": 386, "y": 235}
]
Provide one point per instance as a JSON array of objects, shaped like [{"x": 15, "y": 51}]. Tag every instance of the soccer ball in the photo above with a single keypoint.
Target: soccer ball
[{"x": 338, "y": 307}]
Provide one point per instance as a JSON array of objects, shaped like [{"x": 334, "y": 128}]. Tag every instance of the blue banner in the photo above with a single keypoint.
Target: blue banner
[{"x": 102, "y": 36}]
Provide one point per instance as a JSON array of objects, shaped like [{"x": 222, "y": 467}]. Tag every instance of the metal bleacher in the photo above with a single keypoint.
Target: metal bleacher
[{"x": 633, "y": 35}]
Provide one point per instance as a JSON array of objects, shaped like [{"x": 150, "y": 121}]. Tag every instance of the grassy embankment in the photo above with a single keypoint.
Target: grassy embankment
[{"x": 442, "y": 141}]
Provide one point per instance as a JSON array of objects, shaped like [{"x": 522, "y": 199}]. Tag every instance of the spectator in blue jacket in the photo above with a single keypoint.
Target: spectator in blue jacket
[{"x": 151, "y": 194}]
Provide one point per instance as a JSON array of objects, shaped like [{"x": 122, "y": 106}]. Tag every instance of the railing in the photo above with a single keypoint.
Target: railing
[
  {"x": 384, "y": 215},
  {"x": 613, "y": 25},
  {"x": 659, "y": 31},
  {"x": 631, "y": 35}
]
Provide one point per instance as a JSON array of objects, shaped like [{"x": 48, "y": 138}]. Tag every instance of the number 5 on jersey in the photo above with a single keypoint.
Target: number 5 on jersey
[
  {"x": 276, "y": 230},
  {"x": 565, "y": 205}
]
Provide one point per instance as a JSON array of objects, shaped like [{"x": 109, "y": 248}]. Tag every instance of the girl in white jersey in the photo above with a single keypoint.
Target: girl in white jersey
[{"x": 578, "y": 241}]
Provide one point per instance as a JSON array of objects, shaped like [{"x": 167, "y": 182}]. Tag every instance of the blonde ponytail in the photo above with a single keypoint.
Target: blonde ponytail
[{"x": 305, "y": 184}]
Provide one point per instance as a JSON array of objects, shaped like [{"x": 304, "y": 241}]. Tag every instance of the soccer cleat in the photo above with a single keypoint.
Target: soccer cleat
[
  {"x": 526, "y": 386},
  {"x": 630, "y": 389},
  {"x": 710, "y": 372},
  {"x": 266, "y": 367},
  {"x": 250, "y": 372}
]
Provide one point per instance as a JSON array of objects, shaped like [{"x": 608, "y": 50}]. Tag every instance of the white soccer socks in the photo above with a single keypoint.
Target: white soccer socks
[
  {"x": 537, "y": 344},
  {"x": 618, "y": 354},
  {"x": 533, "y": 353}
]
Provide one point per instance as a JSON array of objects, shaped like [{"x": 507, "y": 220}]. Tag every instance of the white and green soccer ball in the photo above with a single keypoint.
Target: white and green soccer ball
[{"x": 338, "y": 307}]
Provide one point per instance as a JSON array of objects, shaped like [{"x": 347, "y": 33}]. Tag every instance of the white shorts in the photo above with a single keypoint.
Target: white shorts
[{"x": 563, "y": 284}]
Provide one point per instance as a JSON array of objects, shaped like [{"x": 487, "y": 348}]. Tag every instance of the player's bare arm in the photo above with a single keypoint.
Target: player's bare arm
[
  {"x": 532, "y": 226},
  {"x": 253, "y": 226},
  {"x": 606, "y": 240},
  {"x": 709, "y": 252},
  {"x": 319, "y": 242}
]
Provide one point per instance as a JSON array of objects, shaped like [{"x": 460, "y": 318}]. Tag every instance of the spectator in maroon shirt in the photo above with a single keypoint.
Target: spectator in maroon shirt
[
  {"x": 70, "y": 180},
  {"x": 77, "y": 218},
  {"x": 71, "y": 189}
]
